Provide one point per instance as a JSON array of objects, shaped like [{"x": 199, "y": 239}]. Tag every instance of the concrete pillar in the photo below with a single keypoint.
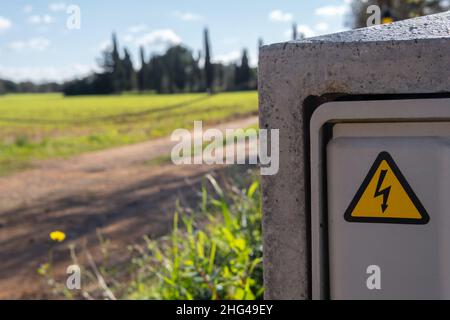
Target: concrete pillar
[{"x": 402, "y": 59}]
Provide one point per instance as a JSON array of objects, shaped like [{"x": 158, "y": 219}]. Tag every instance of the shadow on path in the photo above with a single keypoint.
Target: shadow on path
[{"x": 123, "y": 213}]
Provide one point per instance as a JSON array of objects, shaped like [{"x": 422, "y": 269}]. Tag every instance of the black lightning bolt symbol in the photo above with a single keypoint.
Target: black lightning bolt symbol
[{"x": 385, "y": 192}]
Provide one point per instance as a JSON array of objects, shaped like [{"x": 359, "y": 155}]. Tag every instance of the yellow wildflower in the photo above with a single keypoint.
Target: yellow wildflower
[
  {"x": 387, "y": 20},
  {"x": 58, "y": 236}
]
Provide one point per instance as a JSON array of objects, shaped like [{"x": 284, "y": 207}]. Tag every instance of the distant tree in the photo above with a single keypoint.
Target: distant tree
[
  {"x": 394, "y": 10},
  {"x": 229, "y": 77},
  {"x": 245, "y": 67},
  {"x": 10, "y": 86},
  {"x": 129, "y": 82},
  {"x": 101, "y": 83},
  {"x": 294, "y": 32},
  {"x": 260, "y": 44},
  {"x": 106, "y": 62},
  {"x": 178, "y": 62},
  {"x": 118, "y": 70},
  {"x": 112, "y": 64},
  {"x": 176, "y": 70},
  {"x": 243, "y": 72},
  {"x": 112, "y": 79},
  {"x": 195, "y": 74},
  {"x": 143, "y": 72},
  {"x": 155, "y": 73},
  {"x": 208, "y": 69}
]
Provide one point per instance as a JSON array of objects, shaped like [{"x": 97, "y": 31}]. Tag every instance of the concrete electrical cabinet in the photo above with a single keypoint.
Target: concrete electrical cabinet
[
  {"x": 360, "y": 206},
  {"x": 380, "y": 224}
]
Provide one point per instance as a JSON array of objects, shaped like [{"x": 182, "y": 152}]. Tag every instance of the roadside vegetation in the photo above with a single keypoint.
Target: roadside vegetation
[
  {"x": 49, "y": 125},
  {"x": 214, "y": 252}
]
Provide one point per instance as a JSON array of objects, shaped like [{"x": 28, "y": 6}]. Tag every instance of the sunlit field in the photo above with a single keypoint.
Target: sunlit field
[{"x": 51, "y": 125}]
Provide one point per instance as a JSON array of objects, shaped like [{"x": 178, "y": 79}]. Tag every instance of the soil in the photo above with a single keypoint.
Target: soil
[{"x": 118, "y": 193}]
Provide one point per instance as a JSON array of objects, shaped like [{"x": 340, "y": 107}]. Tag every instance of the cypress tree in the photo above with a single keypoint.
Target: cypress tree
[
  {"x": 209, "y": 72},
  {"x": 129, "y": 73},
  {"x": 142, "y": 76},
  {"x": 118, "y": 73},
  {"x": 260, "y": 44},
  {"x": 243, "y": 72}
]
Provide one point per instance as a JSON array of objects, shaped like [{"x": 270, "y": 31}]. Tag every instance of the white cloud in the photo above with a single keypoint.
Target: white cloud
[
  {"x": 310, "y": 31},
  {"x": 227, "y": 58},
  {"x": 34, "y": 44},
  {"x": 306, "y": 30},
  {"x": 137, "y": 28},
  {"x": 28, "y": 8},
  {"x": 235, "y": 56},
  {"x": 330, "y": 11},
  {"x": 47, "y": 19},
  {"x": 321, "y": 26},
  {"x": 230, "y": 41},
  {"x": 128, "y": 38},
  {"x": 280, "y": 16},
  {"x": 104, "y": 45},
  {"x": 302, "y": 29},
  {"x": 253, "y": 59},
  {"x": 44, "y": 19},
  {"x": 159, "y": 37},
  {"x": 34, "y": 19},
  {"x": 46, "y": 73},
  {"x": 187, "y": 16},
  {"x": 57, "y": 6},
  {"x": 4, "y": 23}
]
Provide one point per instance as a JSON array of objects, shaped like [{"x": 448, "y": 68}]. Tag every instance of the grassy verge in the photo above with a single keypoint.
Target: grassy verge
[
  {"x": 214, "y": 252},
  {"x": 50, "y": 125},
  {"x": 165, "y": 159}
]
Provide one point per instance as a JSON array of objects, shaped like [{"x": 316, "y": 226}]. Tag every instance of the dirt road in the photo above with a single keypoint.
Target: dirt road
[{"x": 119, "y": 192}]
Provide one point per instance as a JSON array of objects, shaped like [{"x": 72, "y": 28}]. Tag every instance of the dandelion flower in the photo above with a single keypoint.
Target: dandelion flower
[{"x": 58, "y": 236}]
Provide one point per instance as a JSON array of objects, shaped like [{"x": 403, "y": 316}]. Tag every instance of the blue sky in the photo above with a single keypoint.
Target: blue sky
[{"x": 36, "y": 44}]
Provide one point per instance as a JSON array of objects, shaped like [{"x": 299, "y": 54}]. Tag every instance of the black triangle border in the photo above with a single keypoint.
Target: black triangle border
[{"x": 385, "y": 156}]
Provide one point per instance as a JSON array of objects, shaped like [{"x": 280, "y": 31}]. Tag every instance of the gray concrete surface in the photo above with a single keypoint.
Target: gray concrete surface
[{"x": 409, "y": 57}]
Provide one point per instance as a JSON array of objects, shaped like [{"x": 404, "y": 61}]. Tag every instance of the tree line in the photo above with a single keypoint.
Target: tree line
[
  {"x": 8, "y": 86},
  {"x": 177, "y": 70}
]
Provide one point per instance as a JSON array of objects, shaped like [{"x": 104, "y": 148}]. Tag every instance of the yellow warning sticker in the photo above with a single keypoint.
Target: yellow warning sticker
[{"x": 386, "y": 197}]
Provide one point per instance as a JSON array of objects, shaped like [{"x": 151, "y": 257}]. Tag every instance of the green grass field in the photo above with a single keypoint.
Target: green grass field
[{"x": 41, "y": 126}]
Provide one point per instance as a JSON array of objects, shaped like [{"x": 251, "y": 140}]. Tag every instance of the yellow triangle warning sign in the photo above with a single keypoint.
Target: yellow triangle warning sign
[{"x": 386, "y": 197}]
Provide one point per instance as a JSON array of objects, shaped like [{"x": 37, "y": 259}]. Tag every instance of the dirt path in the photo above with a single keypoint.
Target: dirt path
[{"x": 117, "y": 191}]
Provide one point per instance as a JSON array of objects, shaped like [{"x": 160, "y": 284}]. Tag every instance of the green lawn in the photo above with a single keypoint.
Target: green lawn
[{"x": 40, "y": 126}]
